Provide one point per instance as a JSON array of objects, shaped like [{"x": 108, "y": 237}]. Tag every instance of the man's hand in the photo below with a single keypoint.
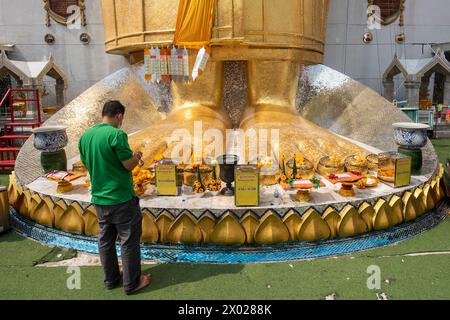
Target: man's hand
[{"x": 133, "y": 162}]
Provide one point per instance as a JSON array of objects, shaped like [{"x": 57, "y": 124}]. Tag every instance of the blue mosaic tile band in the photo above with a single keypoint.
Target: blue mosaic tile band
[{"x": 239, "y": 254}]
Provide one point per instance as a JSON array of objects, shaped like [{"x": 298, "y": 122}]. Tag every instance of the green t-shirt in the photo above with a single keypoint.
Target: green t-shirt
[{"x": 102, "y": 149}]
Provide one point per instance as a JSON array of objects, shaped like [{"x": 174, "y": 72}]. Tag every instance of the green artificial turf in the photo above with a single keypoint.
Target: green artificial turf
[
  {"x": 404, "y": 277},
  {"x": 442, "y": 147},
  {"x": 4, "y": 179},
  {"x": 409, "y": 277}
]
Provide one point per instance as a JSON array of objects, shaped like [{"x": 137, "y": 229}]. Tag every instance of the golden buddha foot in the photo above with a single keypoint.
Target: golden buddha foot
[
  {"x": 176, "y": 136},
  {"x": 298, "y": 135}
]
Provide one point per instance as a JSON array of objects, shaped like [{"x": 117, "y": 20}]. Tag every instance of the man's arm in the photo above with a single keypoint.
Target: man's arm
[
  {"x": 123, "y": 151},
  {"x": 130, "y": 164}
]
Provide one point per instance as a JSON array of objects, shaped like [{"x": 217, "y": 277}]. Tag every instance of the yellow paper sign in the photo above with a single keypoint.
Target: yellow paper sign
[
  {"x": 247, "y": 186},
  {"x": 166, "y": 180},
  {"x": 403, "y": 172}
]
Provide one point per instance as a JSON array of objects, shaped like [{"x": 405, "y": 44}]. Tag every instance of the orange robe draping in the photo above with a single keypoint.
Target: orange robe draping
[{"x": 194, "y": 23}]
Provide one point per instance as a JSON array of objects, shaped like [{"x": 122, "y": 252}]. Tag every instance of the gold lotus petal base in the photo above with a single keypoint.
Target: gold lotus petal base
[{"x": 231, "y": 229}]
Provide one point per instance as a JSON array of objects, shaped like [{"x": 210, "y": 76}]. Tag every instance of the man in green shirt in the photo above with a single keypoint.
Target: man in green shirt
[{"x": 105, "y": 152}]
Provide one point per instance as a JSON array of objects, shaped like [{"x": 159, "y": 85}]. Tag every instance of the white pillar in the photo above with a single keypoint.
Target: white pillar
[
  {"x": 60, "y": 88},
  {"x": 447, "y": 91},
  {"x": 388, "y": 92},
  {"x": 413, "y": 93}
]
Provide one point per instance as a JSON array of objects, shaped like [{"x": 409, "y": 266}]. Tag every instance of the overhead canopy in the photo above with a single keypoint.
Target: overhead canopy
[{"x": 30, "y": 72}]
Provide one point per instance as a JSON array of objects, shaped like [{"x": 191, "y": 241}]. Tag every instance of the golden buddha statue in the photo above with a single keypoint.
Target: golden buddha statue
[{"x": 274, "y": 37}]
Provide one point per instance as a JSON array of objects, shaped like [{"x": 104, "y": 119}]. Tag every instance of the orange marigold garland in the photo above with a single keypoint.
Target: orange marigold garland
[{"x": 215, "y": 184}]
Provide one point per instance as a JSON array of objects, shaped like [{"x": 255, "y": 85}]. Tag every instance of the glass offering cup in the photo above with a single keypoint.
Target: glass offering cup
[{"x": 330, "y": 165}]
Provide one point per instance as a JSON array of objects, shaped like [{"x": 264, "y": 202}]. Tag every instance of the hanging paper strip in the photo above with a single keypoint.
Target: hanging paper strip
[
  {"x": 195, "y": 22},
  {"x": 147, "y": 62},
  {"x": 186, "y": 64},
  {"x": 158, "y": 65},
  {"x": 200, "y": 63},
  {"x": 174, "y": 59}
]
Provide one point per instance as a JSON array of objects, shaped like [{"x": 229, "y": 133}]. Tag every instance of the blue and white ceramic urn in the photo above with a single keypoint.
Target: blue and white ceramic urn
[
  {"x": 410, "y": 135},
  {"x": 50, "y": 139}
]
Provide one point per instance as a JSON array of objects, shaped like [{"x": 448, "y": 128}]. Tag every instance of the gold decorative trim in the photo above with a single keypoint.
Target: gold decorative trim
[
  {"x": 163, "y": 222},
  {"x": 313, "y": 227},
  {"x": 367, "y": 212},
  {"x": 292, "y": 221},
  {"x": 250, "y": 223},
  {"x": 229, "y": 230},
  {"x": 150, "y": 232},
  {"x": 332, "y": 218},
  {"x": 185, "y": 230},
  {"x": 351, "y": 223},
  {"x": 50, "y": 14},
  {"x": 410, "y": 207},
  {"x": 396, "y": 210},
  {"x": 382, "y": 219},
  {"x": 206, "y": 225},
  {"x": 271, "y": 230},
  {"x": 393, "y": 18}
]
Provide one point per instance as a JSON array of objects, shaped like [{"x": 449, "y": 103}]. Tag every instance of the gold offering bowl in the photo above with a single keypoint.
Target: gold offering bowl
[
  {"x": 305, "y": 169},
  {"x": 180, "y": 174},
  {"x": 328, "y": 166},
  {"x": 79, "y": 167},
  {"x": 190, "y": 175},
  {"x": 386, "y": 168},
  {"x": 303, "y": 195},
  {"x": 347, "y": 189},
  {"x": 357, "y": 164},
  {"x": 368, "y": 182},
  {"x": 372, "y": 162},
  {"x": 269, "y": 179}
]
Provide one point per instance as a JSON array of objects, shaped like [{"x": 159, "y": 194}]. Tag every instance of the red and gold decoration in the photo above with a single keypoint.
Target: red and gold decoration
[{"x": 64, "y": 11}]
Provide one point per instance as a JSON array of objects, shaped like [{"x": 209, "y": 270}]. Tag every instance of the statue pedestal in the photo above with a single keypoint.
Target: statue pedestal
[
  {"x": 416, "y": 157},
  {"x": 54, "y": 161}
]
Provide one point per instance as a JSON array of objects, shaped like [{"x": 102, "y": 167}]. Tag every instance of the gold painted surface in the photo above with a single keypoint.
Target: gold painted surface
[
  {"x": 13, "y": 194},
  {"x": 164, "y": 221},
  {"x": 91, "y": 227},
  {"x": 440, "y": 189},
  {"x": 292, "y": 221},
  {"x": 298, "y": 25},
  {"x": 367, "y": 212},
  {"x": 272, "y": 95},
  {"x": 24, "y": 204},
  {"x": 43, "y": 214},
  {"x": 150, "y": 231},
  {"x": 4, "y": 209},
  {"x": 420, "y": 201},
  {"x": 382, "y": 219},
  {"x": 396, "y": 210},
  {"x": 428, "y": 194},
  {"x": 313, "y": 227},
  {"x": 198, "y": 101},
  {"x": 34, "y": 202},
  {"x": 271, "y": 230},
  {"x": 409, "y": 207},
  {"x": 351, "y": 223},
  {"x": 332, "y": 218},
  {"x": 185, "y": 230},
  {"x": 71, "y": 220},
  {"x": 207, "y": 224},
  {"x": 250, "y": 223},
  {"x": 228, "y": 231}
]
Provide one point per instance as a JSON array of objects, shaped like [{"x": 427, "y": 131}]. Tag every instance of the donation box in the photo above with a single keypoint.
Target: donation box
[{"x": 247, "y": 186}]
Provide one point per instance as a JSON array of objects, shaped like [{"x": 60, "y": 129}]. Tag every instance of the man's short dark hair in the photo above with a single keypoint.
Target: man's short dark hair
[{"x": 112, "y": 109}]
